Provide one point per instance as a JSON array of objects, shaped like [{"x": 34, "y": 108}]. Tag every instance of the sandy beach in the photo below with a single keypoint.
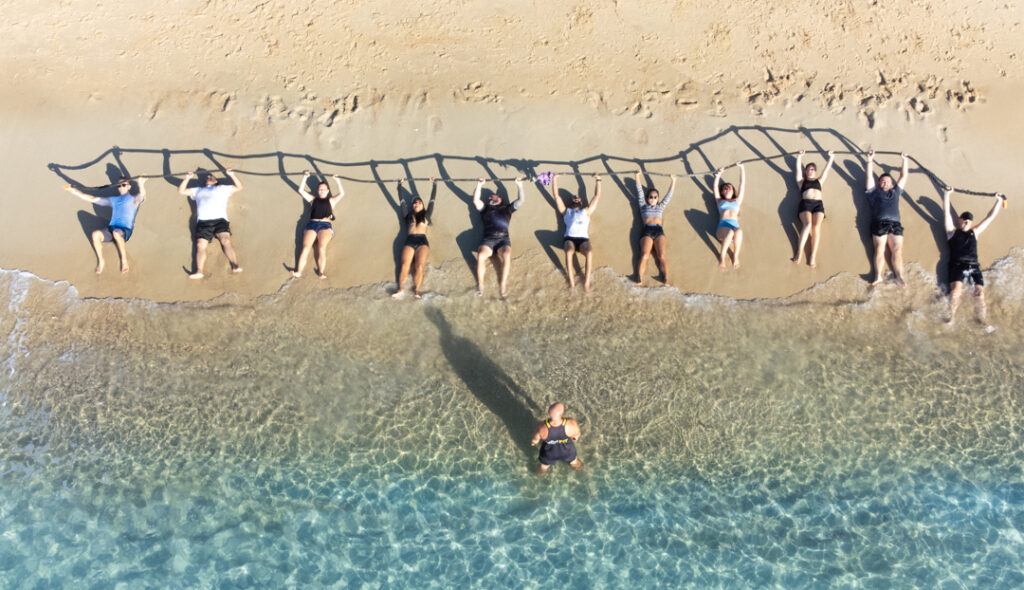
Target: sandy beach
[{"x": 462, "y": 90}]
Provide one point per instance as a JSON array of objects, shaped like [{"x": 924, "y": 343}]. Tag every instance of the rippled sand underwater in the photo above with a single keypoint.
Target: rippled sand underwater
[{"x": 322, "y": 438}]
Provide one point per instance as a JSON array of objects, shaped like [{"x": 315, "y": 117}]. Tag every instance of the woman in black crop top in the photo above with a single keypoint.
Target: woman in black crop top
[
  {"x": 318, "y": 229},
  {"x": 416, "y": 248},
  {"x": 811, "y": 209}
]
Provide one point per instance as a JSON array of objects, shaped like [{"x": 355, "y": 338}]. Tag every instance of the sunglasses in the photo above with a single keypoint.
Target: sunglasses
[{"x": 123, "y": 185}]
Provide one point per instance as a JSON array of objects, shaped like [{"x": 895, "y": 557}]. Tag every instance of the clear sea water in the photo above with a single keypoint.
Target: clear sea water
[{"x": 318, "y": 438}]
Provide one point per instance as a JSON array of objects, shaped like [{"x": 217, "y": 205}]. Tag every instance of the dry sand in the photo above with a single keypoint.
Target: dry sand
[{"x": 467, "y": 89}]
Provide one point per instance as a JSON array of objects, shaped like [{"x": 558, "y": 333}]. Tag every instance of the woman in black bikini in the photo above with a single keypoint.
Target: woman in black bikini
[
  {"x": 319, "y": 228},
  {"x": 811, "y": 210},
  {"x": 416, "y": 248}
]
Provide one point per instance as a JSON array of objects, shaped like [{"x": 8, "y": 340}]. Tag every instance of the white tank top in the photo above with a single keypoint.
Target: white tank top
[{"x": 577, "y": 222}]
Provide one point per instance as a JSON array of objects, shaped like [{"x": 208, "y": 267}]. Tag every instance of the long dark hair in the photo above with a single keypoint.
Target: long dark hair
[
  {"x": 418, "y": 217},
  {"x": 721, "y": 191}
]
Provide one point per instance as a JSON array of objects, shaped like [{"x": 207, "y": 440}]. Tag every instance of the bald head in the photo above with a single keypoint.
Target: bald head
[{"x": 556, "y": 410}]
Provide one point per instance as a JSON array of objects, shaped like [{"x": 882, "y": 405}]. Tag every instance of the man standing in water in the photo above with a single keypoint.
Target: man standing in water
[
  {"x": 122, "y": 220},
  {"x": 557, "y": 436},
  {"x": 886, "y": 228},
  {"x": 212, "y": 217},
  {"x": 496, "y": 217},
  {"x": 963, "y": 255}
]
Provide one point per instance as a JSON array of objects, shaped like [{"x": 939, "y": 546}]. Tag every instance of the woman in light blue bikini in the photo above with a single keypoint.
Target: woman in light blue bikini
[{"x": 729, "y": 198}]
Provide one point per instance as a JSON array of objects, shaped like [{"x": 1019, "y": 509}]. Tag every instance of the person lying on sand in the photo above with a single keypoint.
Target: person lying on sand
[
  {"x": 122, "y": 219},
  {"x": 729, "y": 199},
  {"x": 653, "y": 237},
  {"x": 577, "y": 227},
  {"x": 811, "y": 210},
  {"x": 559, "y": 436},
  {"x": 416, "y": 248},
  {"x": 212, "y": 217},
  {"x": 886, "y": 230},
  {"x": 319, "y": 228},
  {"x": 962, "y": 235},
  {"x": 496, "y": 217}
]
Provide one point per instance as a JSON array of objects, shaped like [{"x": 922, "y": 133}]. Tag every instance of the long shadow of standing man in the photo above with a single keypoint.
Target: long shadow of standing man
[{"x": 489, "y": 383}]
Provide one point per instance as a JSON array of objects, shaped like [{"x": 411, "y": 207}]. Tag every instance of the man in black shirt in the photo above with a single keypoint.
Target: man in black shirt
[
  {"x": 496, "y": 217},
  {"x": 963, "y": 254}
]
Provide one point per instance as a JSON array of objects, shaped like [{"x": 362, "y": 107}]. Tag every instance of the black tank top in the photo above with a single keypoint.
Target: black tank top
[
  {"x": 808, "y": 184},
  {"x": 556, "y": 434},
  {"x": 320, "y": 208},
  {"x": 963, "y": 247}
]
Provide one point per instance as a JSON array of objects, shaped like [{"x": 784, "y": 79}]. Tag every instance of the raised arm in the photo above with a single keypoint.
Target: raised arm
[
  {"x": 743, "y": 182},
  {"x": 671, "y": 191},
  {"x": 521, "y": 199},
  {"x": 304, "y": 187},
  {"x": 234, "y": 179},
  {"x": 947, "y": 213},
  {"x": 800, "y": 166},
  {"x": 89, "y": 198},
  {"x": 433, "y": 195},
  {"x": 904, "y": 171},
  {"x": 828, "y": 165},
  {"x": 139, "y": 198},
  {"x": 183, "y": 189},
  {"x": 718, "y": 183},
  {"x": 870, "y": 171},
  {"x": 341, "y": 190},
  {"x": 1000, "y": 198},
  {"x": 639, "y": 190},
  {"x": 559, "y": 204},
  {"x": 477, "y": 201},
  {"x": 597, "y": 195}
]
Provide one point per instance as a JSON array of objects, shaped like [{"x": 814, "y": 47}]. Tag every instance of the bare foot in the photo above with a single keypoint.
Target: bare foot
[
  {"x": 901, "y": 282},
  {"x": 99, "y": 267},
  {"x": 322, "y": 276},
  {"x": 237, "y": 269},
  {"x": 504, "y": 292},
  {"x": 124, "y": 268},
  {"x": 721, "y": 265},
  {"x": 480, "y": 292},
  {"x": 416, "y": 295},
  {"x": 735, "y": 263},
  {"x": 586, "y": 287},
  {"x": 812, "y": 264},
  {"x": 196, "y": 275},
  {"x": 297, "y": 275},
  {"x": 795, "y": 259},
  {"x": 397, "y": 294},
  {"x": 989, "y": 329},
  {"x": 876, "y": 282},
  {"x": 572, "y": 290}
]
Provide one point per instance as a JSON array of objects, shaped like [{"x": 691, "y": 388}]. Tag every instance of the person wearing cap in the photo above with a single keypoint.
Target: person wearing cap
[
  {"x": 962, "y": 235},
  {"x": 577, "y": 231},
  {"x": 496, "y": 217},
  {"x": 557, "y": 437},
  {"x": 212, "y": 217},
  {"x": 122, "y": 219},
  {"x": 886, "y": 229}
]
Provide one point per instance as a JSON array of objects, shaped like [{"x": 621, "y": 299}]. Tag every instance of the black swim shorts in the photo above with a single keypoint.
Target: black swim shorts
[
  {"x": 653, "y": 230},
  {"x": 416, "y": 240},
  {"x": 883, "y": 227},
  {"x": 208, "y": 228},
  {"x": 578, "y": 242},
  {"x": 965, "y": 272},
  {"x": 812, "y": 205},
  {"x": 496, "y": 242}
]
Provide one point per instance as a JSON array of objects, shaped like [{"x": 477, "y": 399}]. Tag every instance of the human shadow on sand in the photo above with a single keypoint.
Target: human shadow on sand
[{"x": 488, "y": 382}]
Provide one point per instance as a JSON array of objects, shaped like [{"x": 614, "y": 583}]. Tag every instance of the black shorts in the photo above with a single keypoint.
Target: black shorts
[
  {"x": 416, "y": 240},
  {"x": 208, "y": 228},
  {"x": 812, "y": 205},
  {"x": 653, "y": 231},
  {"x": 578, "y": 242},
  {"x": 551, "y": 454},
  {"x": 883, "y": 227},
  {"x": 965, "y": 272},
  {"x": 496, "y": 242}
]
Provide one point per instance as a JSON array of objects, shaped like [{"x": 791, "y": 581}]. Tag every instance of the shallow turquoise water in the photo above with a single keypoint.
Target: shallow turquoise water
[{"x": 337, "y": 439}]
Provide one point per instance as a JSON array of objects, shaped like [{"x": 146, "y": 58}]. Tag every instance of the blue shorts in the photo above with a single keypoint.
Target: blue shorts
[
  {"x": 125, "y": 231},
  {"x": 732, "y": 224},
  {"x": 319, "y": 226}
]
